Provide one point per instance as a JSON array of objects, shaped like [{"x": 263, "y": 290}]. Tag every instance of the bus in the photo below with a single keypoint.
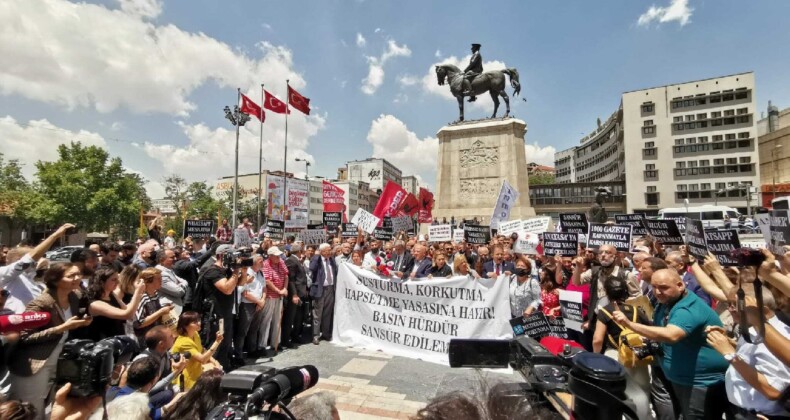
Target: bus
[
  {"x": 711, "y": 216},
  {"x": 781, "y": 203}
]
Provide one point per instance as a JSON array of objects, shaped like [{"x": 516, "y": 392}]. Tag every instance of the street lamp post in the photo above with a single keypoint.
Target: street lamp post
[{"x": 238, "y": 119}]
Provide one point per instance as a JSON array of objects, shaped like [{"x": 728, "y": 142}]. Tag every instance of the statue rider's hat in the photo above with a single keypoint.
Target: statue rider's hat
[{"x": 476, "y": 46}]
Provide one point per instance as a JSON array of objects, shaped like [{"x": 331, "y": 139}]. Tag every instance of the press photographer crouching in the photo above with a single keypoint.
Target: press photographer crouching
[{"x": 694, "y": 369}]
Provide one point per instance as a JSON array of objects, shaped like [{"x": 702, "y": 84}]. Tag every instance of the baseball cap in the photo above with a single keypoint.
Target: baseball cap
[
  {"x": 273, "y": 250},
  {"x": 224, "y": 249}
]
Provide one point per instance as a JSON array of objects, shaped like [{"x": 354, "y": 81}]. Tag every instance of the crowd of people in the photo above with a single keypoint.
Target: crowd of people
[{"x": 199, "y": 307}]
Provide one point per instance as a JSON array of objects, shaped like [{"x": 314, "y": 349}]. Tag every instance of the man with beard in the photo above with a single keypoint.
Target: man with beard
[
  {"x": 369, "y": 261},
  {"x": 596, "y": 276},
  {"x": 87, "y": 260},
  {"x": 109, "y": 256},
  {"x": 128, "y": 250}
]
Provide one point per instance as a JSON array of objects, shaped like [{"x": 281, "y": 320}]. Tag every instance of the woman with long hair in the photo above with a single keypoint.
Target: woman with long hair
[
  {"x": 127, "y": 280},
  {"x": 202, "y": 398},
  {"x": 461, "y": 267},
  {"x": 106, "y": 304},
  {"x": 33, "y": 364},
  {"x": 188, "y": 341}
]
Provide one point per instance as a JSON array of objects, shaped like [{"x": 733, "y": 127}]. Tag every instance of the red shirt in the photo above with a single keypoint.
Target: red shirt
[
  {"x": 224, "y": 234},
  {"x": 276, "y": 274}
]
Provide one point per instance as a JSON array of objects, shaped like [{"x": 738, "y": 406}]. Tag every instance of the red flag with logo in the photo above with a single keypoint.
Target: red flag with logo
[
  {"x": 391, "y": 200},
  {"x": 426, "y": 206},
  {"x": 273, "y": 104},
  {"x": 298, "y": 101},
  {"x": 333, "y": 198},
  {"x": 410, "y": 205},
  {"x": 248, "y": 106}
]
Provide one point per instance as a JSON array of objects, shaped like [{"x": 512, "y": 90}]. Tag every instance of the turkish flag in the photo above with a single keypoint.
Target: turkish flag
[
  {"x": 391, "y": 200},
  {"x": 251, "y": 108},
  {"x": 298, "y": 101},
  {"x": 426, "y": 206},
  {"x": 273, "y": 104},
  {"x": 410, "y": 205}
]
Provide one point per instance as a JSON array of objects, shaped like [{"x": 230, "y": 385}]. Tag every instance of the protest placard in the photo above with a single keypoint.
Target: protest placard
[
  {"x": 666, "y": 231},
  {"x": 574, "y": 223},
  {"x": 763, "y": 220},
  {"x": 402, "y": 223},
  {"x": 349, "y": 230},
  {"x": 477, "y": 234},
  {"x": 316, "y": 226},
  {"x": 571, "y": 309},
  {"x": 313, "y": 236},
  {"x": 602, "y": 234},
  {"x": 365, "y": 220},
  {"x": 416, "y": 319},
  {"x": 636, "y": 220},
  {"x": 458, "y": 235},
  {"x": 780, "y": 231},
  {"x": 440, "y": 233},
  {"x": 508, "y": 228},
  {"x": 679, "y": 221},
  {"x": 565, "y": 244},
  {"x": 382, "y": 234},
  {"x": 526, "y": 243},
  {"x": 241, "y": 238},
  {"x": 332, "y": 219},
  {"x": 199, "y": 228},
  {"x": 695, "y": 240},
  {"x": 537, "y": 325},
  {"x": 720, "y": 243},
  {"x": 536, "y": 224},
  {"x": 275, "y": 228}
]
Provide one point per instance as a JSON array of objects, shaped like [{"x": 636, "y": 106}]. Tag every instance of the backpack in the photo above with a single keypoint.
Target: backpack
[{"x": 627, "y": 341}]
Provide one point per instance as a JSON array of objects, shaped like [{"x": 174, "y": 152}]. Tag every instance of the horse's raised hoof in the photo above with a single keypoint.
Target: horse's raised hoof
[{"x": 472, "y": 99}]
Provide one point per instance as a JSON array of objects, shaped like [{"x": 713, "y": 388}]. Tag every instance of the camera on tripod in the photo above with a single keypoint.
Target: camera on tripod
[
  {"x": 88, "y": 364},
  {"x": 597, "y": 382}
]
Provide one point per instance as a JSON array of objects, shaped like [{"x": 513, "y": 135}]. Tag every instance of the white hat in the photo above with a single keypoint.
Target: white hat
[{"x": 273, "y": 250}]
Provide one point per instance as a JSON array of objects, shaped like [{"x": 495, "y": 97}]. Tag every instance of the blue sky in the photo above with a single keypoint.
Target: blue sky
[{"x": 148, "y": 79}]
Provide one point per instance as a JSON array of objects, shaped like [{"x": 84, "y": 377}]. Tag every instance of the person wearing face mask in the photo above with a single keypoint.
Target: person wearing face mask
[{"x": 524, "y": 290}]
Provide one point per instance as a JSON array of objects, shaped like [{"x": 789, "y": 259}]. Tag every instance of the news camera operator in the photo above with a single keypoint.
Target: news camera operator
[
  {"x": 218, "y": 286},
  {"x": 33, "y": 362},
  {"x": 694, "y": 369}
]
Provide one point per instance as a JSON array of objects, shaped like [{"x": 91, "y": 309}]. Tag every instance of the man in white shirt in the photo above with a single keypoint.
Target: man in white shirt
[
  {"x": 17, "y": 276},
  {"x": 251, "y": 309},
  {"x": 369, "y": 261},
  {"x": 174, "y": 288}
]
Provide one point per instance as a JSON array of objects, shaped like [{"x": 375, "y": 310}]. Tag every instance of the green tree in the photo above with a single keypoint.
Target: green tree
[
  {"x": 91, "y": 189},
  {"x": 20, "y": 200},
  {"x": 541, "y": 178},
  {"x": 202, "y": 203},
  {"x": 176, "y": 192}
]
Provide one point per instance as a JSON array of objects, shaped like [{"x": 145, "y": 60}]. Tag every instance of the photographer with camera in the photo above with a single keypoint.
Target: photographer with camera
[
  {"x": 158, "y": 342},
  {"x": 694, "y": 369},
  {"x": 218, "y": 283},
  {"x": 33, "y": 362}
]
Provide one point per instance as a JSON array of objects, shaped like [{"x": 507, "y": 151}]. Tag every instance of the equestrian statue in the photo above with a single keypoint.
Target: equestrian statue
[{"x": 472, "y": 81}]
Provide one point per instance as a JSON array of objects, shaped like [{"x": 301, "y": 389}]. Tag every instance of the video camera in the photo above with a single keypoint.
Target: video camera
[
  {"x": 88, "y": 364},
  {"x": 597, "y": 382},
  {"x": 242, "y": 257},
  {"x": 250, "y": 387}
]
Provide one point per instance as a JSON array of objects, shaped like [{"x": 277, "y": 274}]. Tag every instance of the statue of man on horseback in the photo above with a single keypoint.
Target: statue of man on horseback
[{"x": 472, "y": 81}]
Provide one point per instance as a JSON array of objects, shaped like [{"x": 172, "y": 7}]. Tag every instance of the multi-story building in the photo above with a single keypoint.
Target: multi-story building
[
  {"x": 774, "y": 147},
  {"x": 537, "y": 169},
  {"x": 410, "y": 184},
  {"x": 599, "y": 156},
  {"x": 689, "y": 141},
  {"x": 376, "y": 172},
  {"x": 316, "y": 214}
]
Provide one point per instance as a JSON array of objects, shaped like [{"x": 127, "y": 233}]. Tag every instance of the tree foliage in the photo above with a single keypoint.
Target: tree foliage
[
  {"x": 21, "y": 200},
  {"x": 541, "y": 178}
]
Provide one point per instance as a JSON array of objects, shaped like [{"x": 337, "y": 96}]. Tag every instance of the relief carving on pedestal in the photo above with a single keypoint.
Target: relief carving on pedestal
[
  {"x": 478, "y": 156},
  {"x": 480, "y": 187}
]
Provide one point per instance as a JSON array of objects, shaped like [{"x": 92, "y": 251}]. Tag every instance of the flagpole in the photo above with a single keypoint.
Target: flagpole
[
  {"x": 236, "y": 172},
  {"x": 285, "y": 154},
  {"x": 260, "y": 162}
]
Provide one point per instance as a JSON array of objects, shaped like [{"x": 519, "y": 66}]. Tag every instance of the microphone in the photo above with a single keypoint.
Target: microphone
[
  {"x": 286, "y": 384},
  {"x": 23, "y": 321}
]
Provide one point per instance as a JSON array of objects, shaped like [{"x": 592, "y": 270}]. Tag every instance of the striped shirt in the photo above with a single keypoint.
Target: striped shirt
[
  {"x": 148, "y": 306},
  {"x": 277, "y": 275}
]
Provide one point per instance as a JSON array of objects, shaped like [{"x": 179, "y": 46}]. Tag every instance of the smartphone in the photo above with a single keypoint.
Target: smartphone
[
  {"x": 479, "y": 353},
  {"x": 221, "y": 327}
]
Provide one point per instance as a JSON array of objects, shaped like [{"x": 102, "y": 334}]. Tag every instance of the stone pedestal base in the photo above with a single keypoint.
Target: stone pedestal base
[{"x": 474, "y": 158}]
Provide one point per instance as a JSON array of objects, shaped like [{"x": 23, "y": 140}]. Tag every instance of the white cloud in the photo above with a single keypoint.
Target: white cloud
[
  {"x": 375, "y": 77},
  {"x": 438, "y": 54},
  {"x": 80, "y": 55},
  {"x": 266, "y": 26},
  {"x": 401, "y": 98},
  {"x": 540, "y": 155},
  {"x": 408, "y": 80},
  {"x": 142, "y": 8},
  {"x": 377, "y": 30},
  {"x": 678, "y": 10},
  {"x": 430, "y": 84},
  {"x": 392, "y": 140},
  {"x": 361, "y": 40}
]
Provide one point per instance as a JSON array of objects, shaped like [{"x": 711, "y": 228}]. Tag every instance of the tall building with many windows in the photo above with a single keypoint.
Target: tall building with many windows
[
  {"x": 692, "y": 141},
  {"x": 374, "y": 171}
]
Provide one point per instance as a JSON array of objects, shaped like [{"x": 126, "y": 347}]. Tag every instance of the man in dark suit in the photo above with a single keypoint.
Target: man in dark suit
[
  {"x": 498, "y": 265},
  {"x": 323, "y": 271},
  {"x": 402, "y": 260},
  {"x": 421, "y": 266},
  {"x": 293, "y": 321}
]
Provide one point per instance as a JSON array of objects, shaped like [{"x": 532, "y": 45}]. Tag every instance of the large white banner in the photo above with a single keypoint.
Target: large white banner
[{"x": 417, "y": 318}]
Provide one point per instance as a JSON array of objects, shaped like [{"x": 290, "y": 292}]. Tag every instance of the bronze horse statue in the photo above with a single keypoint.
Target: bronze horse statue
[{"x": 492, "y": 81}]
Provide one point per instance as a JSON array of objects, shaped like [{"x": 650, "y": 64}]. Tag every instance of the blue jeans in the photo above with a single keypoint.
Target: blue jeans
[{"x": 698, "y": 403}]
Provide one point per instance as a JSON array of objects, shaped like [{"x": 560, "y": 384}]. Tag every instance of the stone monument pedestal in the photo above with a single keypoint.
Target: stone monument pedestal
[{"x": 474, "y": 158}]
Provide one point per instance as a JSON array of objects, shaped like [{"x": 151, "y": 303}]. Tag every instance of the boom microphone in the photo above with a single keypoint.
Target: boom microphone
[
  {"x": 23, "y": 321},
  {"x": 285, "y": 385}
]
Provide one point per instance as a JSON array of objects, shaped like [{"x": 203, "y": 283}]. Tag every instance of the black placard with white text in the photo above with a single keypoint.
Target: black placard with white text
[
  {"x": 574, "y": 223},
  {"x": 349, "y": 230},
  {"x": 636, "y": 220},
  {"x": 720, "y": 243},
  {"x": 779, "y": 230},
  {"x": 199, "y": 228},
  {"x": 276, "y": 228},
  {"x": 477, "y": 234},
  {"x": 666, "y": 231},
  {"x": 565, "y": 244},
  {"x": 332, "y": 220},
  {"x": 605, "y": 234},
  {"x": 695, "y": 240}
]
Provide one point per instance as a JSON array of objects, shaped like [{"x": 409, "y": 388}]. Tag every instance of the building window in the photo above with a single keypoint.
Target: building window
[
  {"x": 745, "y": 159},
  {"x": 743, "y": 135},
  {"x": 648, "y": 130},
  {"x": 646, "y": 108},
  {"x": 682, "y": 187},
  {"x": 680, "y": 164},
  {"x": 677, "y": 119},
  {"x": 651, "y": 198},
  {"x": 703, "y": 139},
  {"x": 703, "y": 116},
  {"x": 704, "y": 186},
  {"x": 647, "y": 123},
  {"x": 680, "y": 142},
  {"x": 729, "y": 112},
  {"x": 741, "y": 95}
]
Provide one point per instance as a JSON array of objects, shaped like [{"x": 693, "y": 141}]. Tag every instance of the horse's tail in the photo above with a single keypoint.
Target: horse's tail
[{"x": 513, "y": 73}]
